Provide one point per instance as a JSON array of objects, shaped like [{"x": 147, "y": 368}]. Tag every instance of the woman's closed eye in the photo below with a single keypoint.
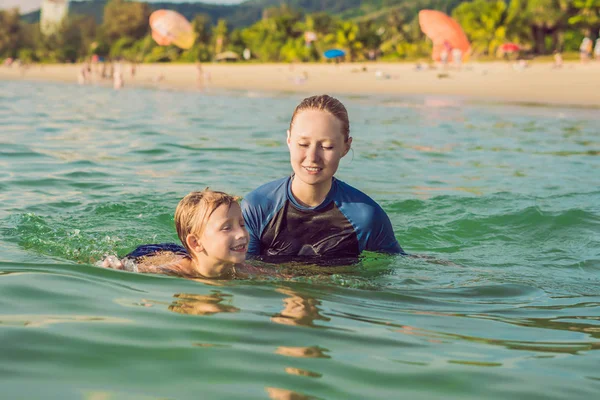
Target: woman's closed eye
[{"x": 323, "y": 147}]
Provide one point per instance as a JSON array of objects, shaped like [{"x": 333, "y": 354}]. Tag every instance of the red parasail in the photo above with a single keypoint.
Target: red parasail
[
  {"x": 170, "y": 27},
  {"x": 441, "y": 29}
]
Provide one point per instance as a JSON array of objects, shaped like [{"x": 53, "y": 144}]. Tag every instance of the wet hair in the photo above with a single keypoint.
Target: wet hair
[
  {"x": 328, "y": 104},
  {"x": 194, "y": 210}
]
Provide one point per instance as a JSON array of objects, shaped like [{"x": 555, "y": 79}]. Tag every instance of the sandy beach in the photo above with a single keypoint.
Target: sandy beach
[{"x": 573, "y": 84}]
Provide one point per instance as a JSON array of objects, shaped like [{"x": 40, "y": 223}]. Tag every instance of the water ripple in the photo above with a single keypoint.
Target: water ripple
[{"x": 500, "y": 293}]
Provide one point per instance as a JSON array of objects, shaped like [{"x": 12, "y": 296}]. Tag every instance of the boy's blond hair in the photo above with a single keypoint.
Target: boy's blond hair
[{"x": 194, "y": 210}]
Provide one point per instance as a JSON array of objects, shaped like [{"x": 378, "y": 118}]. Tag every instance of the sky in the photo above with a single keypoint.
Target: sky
[{"x": 29, "y": 5}]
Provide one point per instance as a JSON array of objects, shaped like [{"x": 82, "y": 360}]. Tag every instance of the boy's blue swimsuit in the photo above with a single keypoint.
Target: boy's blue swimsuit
[
  {"x": 153, "y": 249},
  {"x": 346, "y": 223}
]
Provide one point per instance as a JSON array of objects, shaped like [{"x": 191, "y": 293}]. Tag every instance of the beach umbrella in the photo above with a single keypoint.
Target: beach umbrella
[
  {"x": 334, "y": 53},
  {"x": 170, "y": 27},
  {"x": 440, "y": 28},
  {"x": 509, "y": 48}
]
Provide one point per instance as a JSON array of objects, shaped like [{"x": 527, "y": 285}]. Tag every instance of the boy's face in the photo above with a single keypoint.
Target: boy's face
[{"x": 225, "y": 238}]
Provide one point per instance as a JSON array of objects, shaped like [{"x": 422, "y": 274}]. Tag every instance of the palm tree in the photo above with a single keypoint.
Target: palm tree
[
  {"x": 546, "y": 17},
  {"x": 347, "y": 38},
  {"x": 587, "y": 15}
]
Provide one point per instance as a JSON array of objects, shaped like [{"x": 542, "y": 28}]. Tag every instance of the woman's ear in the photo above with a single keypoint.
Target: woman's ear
[
  {"x": 193, "y": 243},
  {"x": 348, "y": 145},
  {"x": 289, "y": 137}
]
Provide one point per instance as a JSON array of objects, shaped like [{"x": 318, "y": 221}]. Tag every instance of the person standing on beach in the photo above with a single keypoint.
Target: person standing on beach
[
  {"x": 558, "y": 60},
  {"x": 585, "y": 49},
  {"x": 104, "y": 70},
  {"x": 311, "y": 215},
  {"x": 118, "y": 81},
  {"x": 81, "y": 76},
  {"x": 457, "y": 57},
  {"x": 597, "y": 48},
  {"x": 199, "y": 75},
  {"x": 445, "y": 54}
]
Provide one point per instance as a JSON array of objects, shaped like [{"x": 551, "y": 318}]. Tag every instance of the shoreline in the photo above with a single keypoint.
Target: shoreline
[{"x": 572, "y": 85}]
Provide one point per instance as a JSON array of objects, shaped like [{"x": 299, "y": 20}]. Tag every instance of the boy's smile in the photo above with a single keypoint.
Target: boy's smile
[{"x": 225, "y": 239}]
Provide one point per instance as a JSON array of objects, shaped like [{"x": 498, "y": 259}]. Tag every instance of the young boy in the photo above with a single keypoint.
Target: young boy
[{"x": 211, "y": 227}]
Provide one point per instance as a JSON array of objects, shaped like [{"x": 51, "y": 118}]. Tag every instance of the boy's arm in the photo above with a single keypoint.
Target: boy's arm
[
  {"x": 178, "y": 267},
  {"x": 151, "y": 265}
]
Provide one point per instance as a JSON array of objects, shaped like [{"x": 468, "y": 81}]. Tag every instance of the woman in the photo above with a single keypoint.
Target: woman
[{"x": 311, "y": 213}]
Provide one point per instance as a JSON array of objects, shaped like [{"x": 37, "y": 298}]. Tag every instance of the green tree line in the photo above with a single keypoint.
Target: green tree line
[{"x": 386, "y": 29}]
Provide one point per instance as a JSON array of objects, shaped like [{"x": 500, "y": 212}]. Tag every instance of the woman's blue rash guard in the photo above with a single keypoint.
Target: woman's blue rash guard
[{"x": 343, "y": 225}]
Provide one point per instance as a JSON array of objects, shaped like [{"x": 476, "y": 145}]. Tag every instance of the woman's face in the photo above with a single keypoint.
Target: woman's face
[{"x": 316, "y": 146}]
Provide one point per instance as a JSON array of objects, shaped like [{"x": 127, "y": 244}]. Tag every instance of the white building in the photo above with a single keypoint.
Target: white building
[{"x": 51, "y": 15}]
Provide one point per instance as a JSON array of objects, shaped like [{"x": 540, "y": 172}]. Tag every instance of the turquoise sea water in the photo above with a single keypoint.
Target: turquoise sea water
[{"x": 505, "y": 199}]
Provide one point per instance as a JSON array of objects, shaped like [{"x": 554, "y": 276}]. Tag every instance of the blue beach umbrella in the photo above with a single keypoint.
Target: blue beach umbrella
[{"x": 334, "y": 53}]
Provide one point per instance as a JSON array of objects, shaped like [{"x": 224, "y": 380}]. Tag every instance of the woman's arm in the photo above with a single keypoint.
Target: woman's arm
[{"x": 383, "y": 238}]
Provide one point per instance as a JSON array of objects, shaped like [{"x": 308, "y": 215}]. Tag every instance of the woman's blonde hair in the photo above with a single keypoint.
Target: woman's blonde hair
[
  {"x": 194, "y": 210},
  {"x": 328, "y": 104}
]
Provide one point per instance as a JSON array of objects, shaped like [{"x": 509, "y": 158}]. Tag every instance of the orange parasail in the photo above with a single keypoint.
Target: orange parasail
[
  {"x": 170, "y": 27},
  {"x": 443, "y": 31}
]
